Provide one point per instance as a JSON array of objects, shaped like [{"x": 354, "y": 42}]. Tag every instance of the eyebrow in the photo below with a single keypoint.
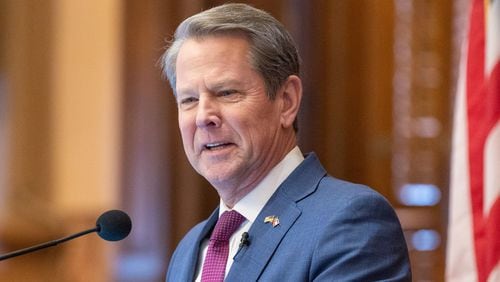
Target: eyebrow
[
  {"x": 214, "y": 87},
  {"x": 224, "y": 83}
]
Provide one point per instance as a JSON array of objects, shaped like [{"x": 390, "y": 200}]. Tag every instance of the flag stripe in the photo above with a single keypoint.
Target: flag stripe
[
  {"x": 483, "y": 111},
  {"x": 460, "y": 259},
  {"x": 482, "y": 126}
]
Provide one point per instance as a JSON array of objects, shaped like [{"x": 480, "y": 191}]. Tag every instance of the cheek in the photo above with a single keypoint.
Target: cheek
[
  {"x": 259, "y": 128},
  {"x": 187, "y": 130},
  {"x": 265, "y": 117}
]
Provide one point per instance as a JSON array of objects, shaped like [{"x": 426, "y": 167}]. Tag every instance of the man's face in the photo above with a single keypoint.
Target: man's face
[{"x": 230, "y": 129}]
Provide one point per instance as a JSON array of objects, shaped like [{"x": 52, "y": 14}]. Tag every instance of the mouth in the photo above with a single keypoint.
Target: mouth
[{"x": 216, "y": 146}]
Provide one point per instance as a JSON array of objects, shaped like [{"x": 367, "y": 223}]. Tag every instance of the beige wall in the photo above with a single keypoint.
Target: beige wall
[{"x": 62, "y": 75}]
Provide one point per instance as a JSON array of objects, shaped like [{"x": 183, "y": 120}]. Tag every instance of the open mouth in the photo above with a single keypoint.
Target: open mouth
[{"x": 216, "y": 146}]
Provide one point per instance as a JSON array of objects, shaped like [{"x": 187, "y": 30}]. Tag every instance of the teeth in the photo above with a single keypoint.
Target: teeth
[{"x": 213, "y": 145}]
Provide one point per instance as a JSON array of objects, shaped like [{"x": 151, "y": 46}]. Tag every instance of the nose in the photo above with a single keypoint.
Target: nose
[{"x": 208, "y": 112}]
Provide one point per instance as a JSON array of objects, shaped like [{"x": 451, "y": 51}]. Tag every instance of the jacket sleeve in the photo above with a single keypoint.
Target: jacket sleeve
[{"x": 364, "y": 243}]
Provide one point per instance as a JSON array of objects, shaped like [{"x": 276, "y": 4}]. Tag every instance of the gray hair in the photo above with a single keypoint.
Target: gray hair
[{"x": 273, "y": 53}]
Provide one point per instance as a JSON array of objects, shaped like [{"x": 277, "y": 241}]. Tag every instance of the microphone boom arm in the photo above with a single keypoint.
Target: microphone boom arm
[
  {"x": 113, "y": 225},
  {"x": 47, "y": 244}
]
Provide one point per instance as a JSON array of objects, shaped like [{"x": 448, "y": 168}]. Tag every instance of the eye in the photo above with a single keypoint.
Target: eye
[
  {"x": 230, "y": 96},
  {"x": 224, "y": 93},
  {"x": 187, "y": 100}
]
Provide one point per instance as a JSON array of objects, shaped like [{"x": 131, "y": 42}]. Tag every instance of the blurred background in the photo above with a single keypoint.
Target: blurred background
[{"x": 88, "y": 124}]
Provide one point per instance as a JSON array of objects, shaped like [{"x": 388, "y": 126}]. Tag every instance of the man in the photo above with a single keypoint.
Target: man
[{"x": 235, "y": 74}]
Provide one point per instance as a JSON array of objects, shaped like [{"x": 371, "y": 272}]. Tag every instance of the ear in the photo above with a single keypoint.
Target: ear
[{"x": 291, "y": 95}]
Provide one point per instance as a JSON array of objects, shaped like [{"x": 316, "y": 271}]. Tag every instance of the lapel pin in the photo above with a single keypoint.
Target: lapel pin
[{"x": 274, "y": 220}]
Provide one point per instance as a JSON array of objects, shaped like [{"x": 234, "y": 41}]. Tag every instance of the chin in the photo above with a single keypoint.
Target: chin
[
  {"x": 215, "y": 178},
  {"x": 218, "y": 179}
]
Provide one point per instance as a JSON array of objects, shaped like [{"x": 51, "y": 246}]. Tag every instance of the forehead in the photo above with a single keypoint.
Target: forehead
[
  {"x": 220, "y": 56},
  {"x": 213, "y": 47}
]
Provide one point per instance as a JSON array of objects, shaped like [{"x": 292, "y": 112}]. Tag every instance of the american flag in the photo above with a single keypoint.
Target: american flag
[{"x": 473, "y": 251}]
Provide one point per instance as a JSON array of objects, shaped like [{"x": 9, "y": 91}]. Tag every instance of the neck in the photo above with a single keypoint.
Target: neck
[{"x": 232, "y": 192}]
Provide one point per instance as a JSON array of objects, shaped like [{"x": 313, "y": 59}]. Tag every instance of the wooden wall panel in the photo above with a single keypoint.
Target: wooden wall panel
[
  {"x": 61, "y": 76},
  {"x": 25, "y": 216}
]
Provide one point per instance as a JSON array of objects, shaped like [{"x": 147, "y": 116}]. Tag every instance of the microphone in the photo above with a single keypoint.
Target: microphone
[
  {"x": 113, "y": 225},
  {"x": 244, "y": 240}
]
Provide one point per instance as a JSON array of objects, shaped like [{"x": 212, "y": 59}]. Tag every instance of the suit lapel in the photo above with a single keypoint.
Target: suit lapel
[
  {"x": 251, "y": 260},
  {"x": 194, "y": 252},
  {"x": 264, "y": 239}
]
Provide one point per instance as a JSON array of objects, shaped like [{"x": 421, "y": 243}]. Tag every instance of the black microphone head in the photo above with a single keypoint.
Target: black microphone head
[{"x": 113, "y": 225}]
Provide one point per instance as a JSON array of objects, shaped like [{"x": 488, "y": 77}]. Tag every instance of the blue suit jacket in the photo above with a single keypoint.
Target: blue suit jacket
[{"x": 329, "y": 230}]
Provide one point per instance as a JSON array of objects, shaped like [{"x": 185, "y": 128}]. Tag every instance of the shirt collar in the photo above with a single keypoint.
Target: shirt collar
[{"x": 252, "y": 203}]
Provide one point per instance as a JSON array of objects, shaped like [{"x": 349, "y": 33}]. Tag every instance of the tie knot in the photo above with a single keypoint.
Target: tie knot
[{"x": 227, "y": 224}]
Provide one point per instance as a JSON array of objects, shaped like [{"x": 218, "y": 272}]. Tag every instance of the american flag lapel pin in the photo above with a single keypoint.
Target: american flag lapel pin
[{"x": 274, "y": 220}]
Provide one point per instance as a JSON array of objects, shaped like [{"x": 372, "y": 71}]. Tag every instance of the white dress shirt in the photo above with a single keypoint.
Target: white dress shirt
[{"x": 251, "y": 205}]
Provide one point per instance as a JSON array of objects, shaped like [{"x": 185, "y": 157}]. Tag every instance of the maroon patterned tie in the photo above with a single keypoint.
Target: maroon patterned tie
[{"x": 214, "y": 267}]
